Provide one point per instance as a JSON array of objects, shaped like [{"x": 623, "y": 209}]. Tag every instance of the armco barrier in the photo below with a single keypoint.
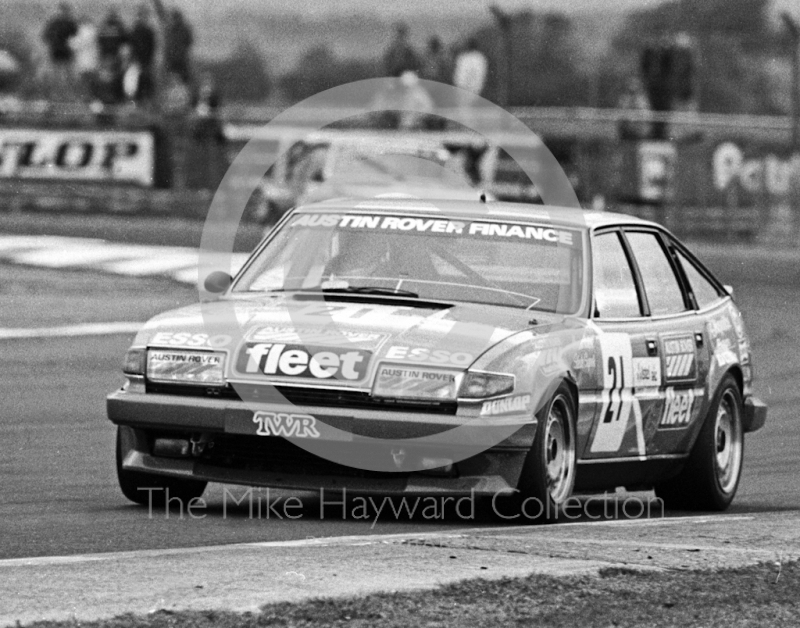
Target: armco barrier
[
  {"x": 729, "y": 183},
  {"x": 719, "y": 224},
  {"x": 102, "y": 199},
  {"x": 102, "y": 164}
]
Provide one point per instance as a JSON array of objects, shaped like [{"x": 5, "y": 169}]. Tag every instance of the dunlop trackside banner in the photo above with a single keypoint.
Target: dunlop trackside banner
[{"x": 77, "y": 155}]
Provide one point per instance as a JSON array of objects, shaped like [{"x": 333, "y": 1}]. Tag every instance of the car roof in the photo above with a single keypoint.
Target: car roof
[{"x": 496, "y": 210}]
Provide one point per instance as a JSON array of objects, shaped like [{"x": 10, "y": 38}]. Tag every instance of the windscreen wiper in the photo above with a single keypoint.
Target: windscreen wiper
[{"x": 395, "y": 292}]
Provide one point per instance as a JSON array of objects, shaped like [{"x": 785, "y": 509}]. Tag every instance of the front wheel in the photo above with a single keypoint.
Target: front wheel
[
  {"x": 711, "y": 476},
  {"x": 548, "y": 475},
  {"x": 136, "y": 485}
]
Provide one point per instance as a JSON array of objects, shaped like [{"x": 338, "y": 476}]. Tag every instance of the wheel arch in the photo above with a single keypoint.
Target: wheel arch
[
  {"x": 572, "y": 385},
  {"x": 738, "y": 376}
]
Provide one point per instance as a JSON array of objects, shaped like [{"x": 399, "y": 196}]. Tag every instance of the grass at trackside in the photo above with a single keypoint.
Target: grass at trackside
[{"x": 760, "y": 595}]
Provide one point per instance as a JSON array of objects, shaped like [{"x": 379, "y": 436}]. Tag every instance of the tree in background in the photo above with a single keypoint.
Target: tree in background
[
  {"x": 546, "y": 61},
  {"x": 733, "y": 41},
  {"x": 242, "y": 76},
  {"x": 320, "y": 69}
]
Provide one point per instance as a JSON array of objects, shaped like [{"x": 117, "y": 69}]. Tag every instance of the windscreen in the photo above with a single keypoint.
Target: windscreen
[{"x": 531, "y": 266}]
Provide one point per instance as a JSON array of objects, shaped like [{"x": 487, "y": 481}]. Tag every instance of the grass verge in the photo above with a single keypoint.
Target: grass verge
[{"x": 759, "y": 595}]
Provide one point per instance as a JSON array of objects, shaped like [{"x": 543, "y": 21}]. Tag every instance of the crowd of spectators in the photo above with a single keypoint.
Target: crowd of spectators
[
  {"x": 465, "y": 67},
  {"x": 113, "y": 63}
]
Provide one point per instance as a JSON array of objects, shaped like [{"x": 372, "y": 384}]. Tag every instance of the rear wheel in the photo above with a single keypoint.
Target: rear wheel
[
  {"x": 548, "y": 475},
  {"x": 135, "y": 484},
  {"x": 711, "y": 476}
]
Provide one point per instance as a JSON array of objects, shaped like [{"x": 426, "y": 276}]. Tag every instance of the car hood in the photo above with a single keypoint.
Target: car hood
[{"x": 362, "y": 333}]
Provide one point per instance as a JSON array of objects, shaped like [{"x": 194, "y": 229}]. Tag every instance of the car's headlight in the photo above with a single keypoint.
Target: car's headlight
[
  {"x": 185, "y": 367},
  {"x": 403, "y": 381},
  {"x": 481, "y": 385},
  {"x": 134, "y": 362}
]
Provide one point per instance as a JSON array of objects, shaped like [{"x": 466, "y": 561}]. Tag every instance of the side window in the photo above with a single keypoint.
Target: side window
[
  {"x": 704, "y": 291},
  {"x": 664, "y": 294},
  {"x": 614, "y": 289}
]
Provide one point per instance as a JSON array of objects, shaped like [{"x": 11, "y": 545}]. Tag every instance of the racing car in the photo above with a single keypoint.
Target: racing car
[{"x": 400, "y": 346}]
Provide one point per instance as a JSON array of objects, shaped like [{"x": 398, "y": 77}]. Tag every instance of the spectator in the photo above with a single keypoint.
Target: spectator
[
  {"x": 471, "y": 68},
  {"x": 84, "y": 47},
  {"x": 400, "y": 57},
  {"x": 634, "y": 98},
  {"x": 470, "y": 73},
  {"x": 175, "y": 95},
  {"x": 111, "y": 38},
  {"x": 437, "y": 67},
  {"x": 436, "y": 64},
  {"x": 208, "y": 97},
  {"x": 57, "y": 33},
  {"x": 142, "y": 43},
  {"x": 179, "y": 40}
]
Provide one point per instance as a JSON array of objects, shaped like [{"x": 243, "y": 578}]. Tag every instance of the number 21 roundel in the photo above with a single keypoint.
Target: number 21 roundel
[{"x": 617, "y": 394}]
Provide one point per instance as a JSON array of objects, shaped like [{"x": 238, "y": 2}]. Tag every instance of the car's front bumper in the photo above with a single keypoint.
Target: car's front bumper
[
  {"x": 755, "y": 414},
  {"x": 274, "y": 462}
]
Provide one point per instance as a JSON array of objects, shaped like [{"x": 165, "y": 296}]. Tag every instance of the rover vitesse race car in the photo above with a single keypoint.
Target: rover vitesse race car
[{"x": 398, "y": 346}]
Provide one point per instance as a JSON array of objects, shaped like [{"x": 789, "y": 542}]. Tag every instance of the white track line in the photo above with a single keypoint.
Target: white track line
[
  {"x": 84, "y": 329},
  {"x": 137, "y": 260},
  {"x": 164, "y": 263},
  {"x": 366, "y": 539}
]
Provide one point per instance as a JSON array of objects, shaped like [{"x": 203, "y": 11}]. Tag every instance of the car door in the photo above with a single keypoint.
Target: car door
[
  {"x": 677, "y": 345},
  {"x": 611, "y": 423},
  {"x": 652, "y": 349}
]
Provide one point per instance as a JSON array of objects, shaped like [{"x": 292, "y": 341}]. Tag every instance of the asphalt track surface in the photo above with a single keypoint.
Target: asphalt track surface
[{"x": 58, "y": 492}]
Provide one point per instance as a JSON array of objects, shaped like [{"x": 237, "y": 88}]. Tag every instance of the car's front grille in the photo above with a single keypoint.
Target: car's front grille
[
  {"x": 320, "y": 397},
  {"x": 276, "y": 455}
]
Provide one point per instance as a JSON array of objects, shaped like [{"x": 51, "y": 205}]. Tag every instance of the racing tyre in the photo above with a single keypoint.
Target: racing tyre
[
  {"x": 548, "y": 475},
  {"x": 133, "y": 483},
  {"x": 711, "y": 475}
]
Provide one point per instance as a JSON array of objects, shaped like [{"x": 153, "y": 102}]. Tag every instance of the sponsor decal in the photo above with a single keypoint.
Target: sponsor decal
[
  {"x": 311, "y": 335},
  {"x": 618, "y": 402},
  {"x": 77, "y": 155},
  {"x": 741, "y": 336},
  {"x": 185, "y": 366},
  {"x": 508, "y": 405},
  {"x": 285, "y": 424},
  {"x": 724, "y": 354},
  {"x": 584, "y": 360},
  {"x": 435, "y": 356},
  {"x": 679, "y": 358},
  {"x": 399, "y": 380},
  {"x": 756, "y": 174},
  {"x": 437, "y": 225},
  {"x": 188, "y": 339},
  {"x": 719, "y": 327},
  {"x": 548, "y": 359},
  {"x": 293, "y": 360},
  {"x": 521, "y": 232},
  {"x": 677, "y": 408},
  {"x": 646, "y": 372},
  {"x": 198, "y": 359},
  {"x": 738, "y": 326}
]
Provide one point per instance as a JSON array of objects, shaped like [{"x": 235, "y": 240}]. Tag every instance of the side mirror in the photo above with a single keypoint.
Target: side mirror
[
  {"x": 729, "y": 290},
  {"x": 217, "y": 282}
]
